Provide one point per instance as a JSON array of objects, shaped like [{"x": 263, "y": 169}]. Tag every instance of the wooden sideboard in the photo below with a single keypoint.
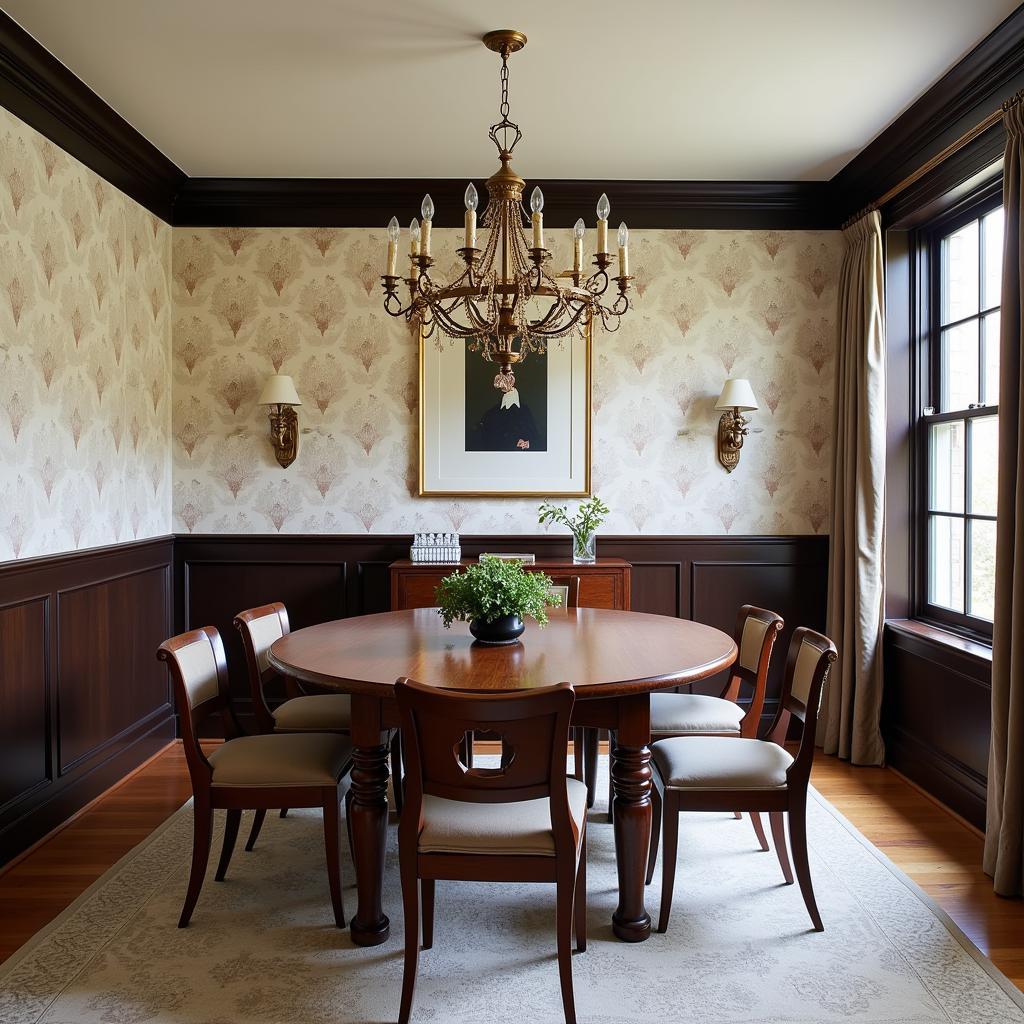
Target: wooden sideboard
[{"x": 605, "y": 584}]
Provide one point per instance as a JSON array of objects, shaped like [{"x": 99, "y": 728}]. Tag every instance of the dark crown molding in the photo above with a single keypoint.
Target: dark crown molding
[{"x": 42, "y": 92}]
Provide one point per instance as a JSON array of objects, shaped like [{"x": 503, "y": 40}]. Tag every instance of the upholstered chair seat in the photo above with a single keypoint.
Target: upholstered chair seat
[
  {"x": 328, "y": 712},
  {"x": 288, "y": 759},
  {"x": 512, "y": 829},
  {"x": 676, "y": 714},
  {"x": 721, "y": 762}
]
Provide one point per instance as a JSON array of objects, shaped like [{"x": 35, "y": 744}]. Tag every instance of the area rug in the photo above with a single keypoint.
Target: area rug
[{"x": 262, "y": 946}]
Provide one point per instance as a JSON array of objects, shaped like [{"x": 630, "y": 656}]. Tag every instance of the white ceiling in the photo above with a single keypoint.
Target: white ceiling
[{"x": 671, "y": 89}]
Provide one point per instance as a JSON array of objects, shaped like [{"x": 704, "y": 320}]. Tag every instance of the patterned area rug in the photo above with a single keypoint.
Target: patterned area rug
[{"x": 262, "y": 947}]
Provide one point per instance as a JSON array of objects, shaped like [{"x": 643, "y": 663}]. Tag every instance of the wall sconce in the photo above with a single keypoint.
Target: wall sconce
[
  {"x": 737, "y": 397},
  {"x": 280, "y": 394}
]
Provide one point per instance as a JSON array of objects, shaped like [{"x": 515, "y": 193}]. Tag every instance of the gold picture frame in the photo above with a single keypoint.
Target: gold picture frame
[{"x": 445, "y": 471}]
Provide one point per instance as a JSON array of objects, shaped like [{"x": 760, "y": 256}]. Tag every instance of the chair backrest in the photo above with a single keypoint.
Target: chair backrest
[
  {"x": 567, "y": 588},
  {"x": 259, "y": 628},
  {"x": 756, "y": 632},
  {"x": 534, "y": 730},
  {"x": 810, "y": 656},
  {"x": 199, "y": 671}
]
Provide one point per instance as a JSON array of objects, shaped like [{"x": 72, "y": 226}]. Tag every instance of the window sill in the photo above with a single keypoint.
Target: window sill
[{"x": 933, "y": 634}]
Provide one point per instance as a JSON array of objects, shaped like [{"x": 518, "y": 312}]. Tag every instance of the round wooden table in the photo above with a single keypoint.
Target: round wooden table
[{"x": 614, "y": 659}]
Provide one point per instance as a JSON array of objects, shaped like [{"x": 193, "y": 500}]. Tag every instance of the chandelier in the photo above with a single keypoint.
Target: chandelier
[{"x": 506, "y": 302}]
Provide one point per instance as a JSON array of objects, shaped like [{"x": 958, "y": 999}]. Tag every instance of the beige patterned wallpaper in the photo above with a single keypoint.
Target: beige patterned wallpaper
[
  {"x": 307, "y": 302},
  {"x": 84, "y": 355}
]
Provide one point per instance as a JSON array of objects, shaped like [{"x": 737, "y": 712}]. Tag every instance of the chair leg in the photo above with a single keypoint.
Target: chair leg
[
  {"x": 611, "y": 788},
  {"x": 427, "y": 900},
  {"x": 590, "y": 745},
  {"x": 798, "y": 842},
  {"x": 332, "y": 848},
  {"x": 466, "y": 750},
  {"x": 284, "y": 812},
  {"x": 254, "y": 832},
  {"x": 779, "y": 838},
  {"x": 578, "y": 756},
  {"x": 234, "y": 819},
  {"x": 564, "y": 888},
  {"x": 348, "y": 823},
  {"x": 755, "y": 820},
  {"x": 397, "y": 780},
  {"x": 411, "y": 907},
  {"x": 670, "y": 830},
  {"x": 579, "y": 898},
  {"x": 202, "y": 836},
  {"x": 652, "y": 853},
  {"x": 737, "y": 815}
]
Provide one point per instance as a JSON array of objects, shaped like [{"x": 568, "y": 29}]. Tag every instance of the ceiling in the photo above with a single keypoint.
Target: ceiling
[{"x": 663, "y": 89}]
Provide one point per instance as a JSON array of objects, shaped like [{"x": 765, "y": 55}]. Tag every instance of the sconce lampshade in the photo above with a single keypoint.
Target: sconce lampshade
[
  {"x": 279, "y": 390},
  {"x": 737, "y": 394}
]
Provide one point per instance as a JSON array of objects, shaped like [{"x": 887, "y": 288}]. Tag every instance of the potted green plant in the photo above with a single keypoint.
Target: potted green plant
[
  {"x": 494, "y": 596},
  {"x": 589, "y": 516}
]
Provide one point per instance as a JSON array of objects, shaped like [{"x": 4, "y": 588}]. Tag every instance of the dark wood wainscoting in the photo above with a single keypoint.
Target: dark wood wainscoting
[
  {"x": 321, "y": 578},
  {"x": 937, "y": 715},
  {"x": 83, "y": 699}
]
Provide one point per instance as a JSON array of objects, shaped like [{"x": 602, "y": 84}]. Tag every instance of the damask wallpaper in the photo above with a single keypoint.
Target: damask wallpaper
[
  {"x": 85, "y": 376},
  {"x": 307, "y": 302}
]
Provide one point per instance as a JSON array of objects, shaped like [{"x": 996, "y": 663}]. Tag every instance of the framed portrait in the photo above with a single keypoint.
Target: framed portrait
[{"x": 532, "y": 440}]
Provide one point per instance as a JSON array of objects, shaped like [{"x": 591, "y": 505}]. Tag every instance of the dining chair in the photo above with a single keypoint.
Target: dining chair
[
  {"x": 523, "y": 821},
  {"x": 247, "y": 772},
  {"x": 699, "y": 714},
  {"x": 300, "y": 711},
  {"x": 724, "y": 773}
]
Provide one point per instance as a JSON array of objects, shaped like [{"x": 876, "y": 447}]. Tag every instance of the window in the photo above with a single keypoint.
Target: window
[{"x": 960, "y": 422}]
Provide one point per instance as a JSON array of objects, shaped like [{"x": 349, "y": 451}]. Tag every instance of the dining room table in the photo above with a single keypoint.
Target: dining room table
[{"x": 614, "y": 660}]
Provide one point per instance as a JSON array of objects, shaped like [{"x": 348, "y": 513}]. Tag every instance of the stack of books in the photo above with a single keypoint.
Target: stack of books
[{"x": 443, "y": 548}]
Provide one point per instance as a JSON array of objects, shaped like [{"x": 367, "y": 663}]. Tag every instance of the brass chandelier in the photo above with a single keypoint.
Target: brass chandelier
[{"x": 506, "y": 303}]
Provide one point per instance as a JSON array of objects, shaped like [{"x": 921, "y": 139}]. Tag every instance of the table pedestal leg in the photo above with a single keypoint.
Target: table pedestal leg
[
  {"x": 369, "y": 811},
  {"x": 631, "y": 779}
]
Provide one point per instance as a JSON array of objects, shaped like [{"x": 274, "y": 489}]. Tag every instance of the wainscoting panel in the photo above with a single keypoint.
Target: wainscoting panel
[{"x": 83, "y": 699}]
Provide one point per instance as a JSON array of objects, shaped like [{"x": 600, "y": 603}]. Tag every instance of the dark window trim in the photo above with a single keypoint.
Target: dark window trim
[{"x": 925, "y": 374}]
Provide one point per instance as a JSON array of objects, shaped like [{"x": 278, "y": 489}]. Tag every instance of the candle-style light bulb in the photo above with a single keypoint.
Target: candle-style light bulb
[
  {"x": 536, "y": 199},
  {"x": 603, "y": 207},
  {"x": 537, "y": 218},
  {"x": 579, "y": 229},
  {"x": 427, "y": 207},
  {"x": 471, "y": 200},
  {"x": 414, "y": 237},
  {"x": 623, "y": 250},
  {"x": 623, "y": 235},
  {"x": 393, "y": 233}
]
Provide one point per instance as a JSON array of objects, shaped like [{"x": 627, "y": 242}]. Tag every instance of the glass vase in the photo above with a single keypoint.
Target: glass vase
[{"x": 584, "y": 549}]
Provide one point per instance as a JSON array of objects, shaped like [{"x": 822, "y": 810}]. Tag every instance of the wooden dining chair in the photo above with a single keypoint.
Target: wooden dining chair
[
  {"x": 300, "y": 711},
  {"x": 699, "y": 714},
  {"x": 722, "y": 773},
  {"x": 247, "y": 772},
  {"x": 524, "y": 821}
]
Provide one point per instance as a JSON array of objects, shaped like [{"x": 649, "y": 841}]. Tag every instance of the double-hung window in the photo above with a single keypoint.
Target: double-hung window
[{"x": 960, "y": 421}]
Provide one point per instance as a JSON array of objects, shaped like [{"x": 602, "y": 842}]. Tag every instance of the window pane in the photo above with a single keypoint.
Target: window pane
[
  {"x": 983, "y": 569},
  {"x": 960, "y": 273},
  {"x": 946, "y": 474},
  {"x": 992, "y": 229},
  {"x": 991, "y": 328},
  {"x": 984, "y": 464},
  {"x": 946, "y": 562},
  {"x": 960, "y": 366}
]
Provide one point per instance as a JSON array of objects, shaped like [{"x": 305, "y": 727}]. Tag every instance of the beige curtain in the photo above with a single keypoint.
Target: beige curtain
[
  {"x": 1004, "y": 833},
  {"x": 853, "y": 697}
]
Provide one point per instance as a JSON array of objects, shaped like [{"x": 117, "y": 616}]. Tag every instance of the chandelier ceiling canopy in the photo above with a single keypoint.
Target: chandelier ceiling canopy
[{"x": 506, "y": 303}]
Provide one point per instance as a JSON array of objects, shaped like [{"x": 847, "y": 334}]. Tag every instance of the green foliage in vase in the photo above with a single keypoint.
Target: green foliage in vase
[
  {"x": 589, "y": 516},
  {"x": 493, "y": 588}
]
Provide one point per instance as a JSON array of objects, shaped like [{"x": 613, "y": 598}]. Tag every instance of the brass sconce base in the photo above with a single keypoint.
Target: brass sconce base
[
  {"x": 284, "y": 434},
  {"x": 731, "y": 429}
]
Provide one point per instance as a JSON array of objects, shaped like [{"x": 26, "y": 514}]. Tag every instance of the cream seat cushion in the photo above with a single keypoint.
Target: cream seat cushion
[
  {"x": 675, "y": 713},
  {"x": 523, "y": 828},
  {"x": 318, "y": 713},
  {"x": 281, "y": 759},
  {"x": 721, "y": 762}
]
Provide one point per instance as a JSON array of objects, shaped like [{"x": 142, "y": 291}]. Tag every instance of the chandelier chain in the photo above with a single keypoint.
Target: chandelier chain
[{"x": 504, "y": 108}]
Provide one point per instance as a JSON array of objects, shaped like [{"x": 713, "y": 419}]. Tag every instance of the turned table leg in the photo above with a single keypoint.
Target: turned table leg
[
  {"x": 369, "y": 818},
  {"x": 631, "y": 779}
]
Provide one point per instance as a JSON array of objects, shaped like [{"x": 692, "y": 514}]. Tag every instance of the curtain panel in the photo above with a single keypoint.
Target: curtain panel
[
  {"x": 1004, "y": 833},
  {"x": 853, "y": 697}
]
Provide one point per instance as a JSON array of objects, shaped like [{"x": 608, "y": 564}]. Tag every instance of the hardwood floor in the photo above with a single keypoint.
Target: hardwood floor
[{"x": 937, "y": 850}]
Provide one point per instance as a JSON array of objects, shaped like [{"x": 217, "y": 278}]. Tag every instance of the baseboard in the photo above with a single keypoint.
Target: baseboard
[{"x": 932, "y": 799}]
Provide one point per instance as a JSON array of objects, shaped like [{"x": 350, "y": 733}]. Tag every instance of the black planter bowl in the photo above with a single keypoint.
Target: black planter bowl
[{"x": 504, "y": 630}]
